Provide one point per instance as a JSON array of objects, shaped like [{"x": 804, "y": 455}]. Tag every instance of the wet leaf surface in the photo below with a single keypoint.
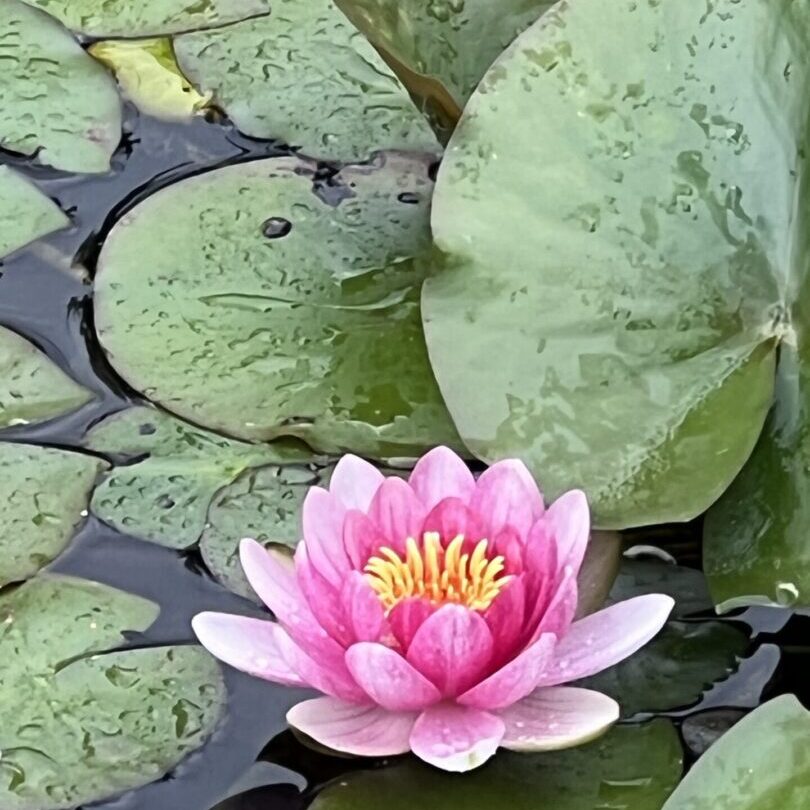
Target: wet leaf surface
[
  {"x": 77, "y": 724},
  {"x": 641, "y": 279},
  {"x": 631, "y": 767},
  {"x": 762, "y": 763},
  {"x": 32, "y": 387},
  {"x": 148, "y": 18},
  {"x": 26, "y": 213},
  {"x": 56, "y": 102},
  {"x": 43, "y": 496},
  {"x": 260, "y": 300},
  {"x": 160, "y": 491},
  {"x": 306, "y": 76}
]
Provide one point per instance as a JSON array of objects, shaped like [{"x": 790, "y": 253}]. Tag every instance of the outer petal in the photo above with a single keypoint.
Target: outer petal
[
  {"x": 455, "y": 738},
  {"x": 557, "y": 717},
  {"x": 323, "y": 598},
  {"x": 250, "y": 645},
  {"x": 398, "y": 513},
  {"x": 441, "y": 474},
  {"x": 568, "y": 522},
  {"x": 513, "y": 681},
  {"x": 354, "y": 482},
  {"x": 271, "y": 576},
  {"x": 506, "y": 495},
  {"x": 561, "y": 609},
  {"x": 361, "y": 538},
  {"x": 451, "y": 517},
  {"x": 407, "y": 617},
  {"x": 323, "y": 516},
  {"x": 363, "y": 610},
  {"x": 365, "y": 731},
  {"x": 603, "y": 639},
  {"x": 453, "y": 648},
  {"x": 388, "y": 679}
]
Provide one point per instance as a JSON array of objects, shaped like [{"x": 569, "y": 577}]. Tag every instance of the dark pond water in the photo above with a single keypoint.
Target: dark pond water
[{"x": 252, "y": 757}]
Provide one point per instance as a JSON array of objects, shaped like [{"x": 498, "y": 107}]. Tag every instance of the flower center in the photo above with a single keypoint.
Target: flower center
[{"x": 441, "y": 575}]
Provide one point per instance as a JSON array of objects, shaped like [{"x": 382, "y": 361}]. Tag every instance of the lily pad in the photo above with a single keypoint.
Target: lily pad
[
  {"x": 148, "y": 18},
  {"x": 451, "y": 41},
  {"x": 77, "y": 725},
  {"x": 32, "y": 388},
  {"x": 148, "y": 74},
  {"x": 56, "y": 102},
  {"x": 264, "y": 299},
  {"x": 762, "y": 763},
  {"x": 630, "y": 767},
  {"x": 642, "y": 278},
  {"x": 160, "y": 491},
  {"x": 43, "y": 497},
  {"x": 26, "y": 213},
  {"x": 306, "y": 76}
]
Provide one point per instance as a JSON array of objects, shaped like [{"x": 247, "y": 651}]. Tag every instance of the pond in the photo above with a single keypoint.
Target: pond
[{"x": 240, "y": 239}]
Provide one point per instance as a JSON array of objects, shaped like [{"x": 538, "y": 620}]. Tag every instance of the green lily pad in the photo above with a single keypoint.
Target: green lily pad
[
  {"x": 260, "y": 301},
  {"x": 630, "y": 767},
  {"x": 452, "y": 41},
  {"x": 640, "y": 276},
  {"x": 164, "y": 495},
  {"x": 306, "y": 76},
  {"x": 77, "y": 725},
  {"x": 43, "y": 497},
  {"x": 32, "y": 388},
  {"x": 26, "y": 213},
  {"x": 148, "y": 18},
  {"x": 762, "y": 763},
  {"x": 56, "y": 102}
]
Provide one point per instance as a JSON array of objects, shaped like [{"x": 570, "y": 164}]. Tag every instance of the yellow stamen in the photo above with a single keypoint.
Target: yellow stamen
[{"x": 440, "y": 575}]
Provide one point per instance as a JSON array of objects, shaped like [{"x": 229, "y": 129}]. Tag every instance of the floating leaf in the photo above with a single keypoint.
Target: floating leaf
[
  {"x": 162, "y": 494},
  {"x": 149, "y": 77},
  {"x": 306, "y": 76},
  {"x": 762, "y": 763},
  {"x": 26, "y": 213},
  {"x": 630, "y": 767},
  {"x": 56, "y": 102},
  {"x": 148, "y": 18},
  {"x": 77, "y": 725},
  {"x": 43, "y": 496},
  {"x": 640, "y": 277},
  {"x": 452, "y": 41},
  {"x": 261, "y": 300},
  {"x": 32, "y": 388}
]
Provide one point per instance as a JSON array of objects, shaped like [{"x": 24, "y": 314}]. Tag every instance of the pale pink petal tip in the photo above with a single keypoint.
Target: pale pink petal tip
[
  {"x": 354, "y": 482},
  {"x": 441, "y": 474}
]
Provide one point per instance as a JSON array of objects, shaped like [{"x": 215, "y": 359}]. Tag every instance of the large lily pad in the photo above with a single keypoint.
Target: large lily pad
[
  {"x": 306, "y": 76},
  {"x": 620, "y": 303},
  {"x": 32, "y": 388},
  {"x": 261, "y": 300},
  {"x": 630, "y": 767},
  {"x": 78, "y": 725},
  {"x": 762, "y": 763},
  {"x": 161, "y": 489},
  {"x": 56, "y": 102},
  {"x": 148, "y": 18},
  {"x": 43, "y": 496},
  {"x": 26, "y": 213}
]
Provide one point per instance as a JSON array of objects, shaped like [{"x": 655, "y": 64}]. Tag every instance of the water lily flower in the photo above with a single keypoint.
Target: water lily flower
[{"x": 435, "y": 614}]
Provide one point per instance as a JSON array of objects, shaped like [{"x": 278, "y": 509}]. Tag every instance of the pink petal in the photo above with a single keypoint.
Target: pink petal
[
  {"x": 250, "y": 645},
  {"x": 456, "y": 738},
  {"x": 506, "y": 495},
  {"x": 505, "y": 619},
  {"x": 361, "y": 538},
  {"x": 568, "y": 521},
  {"x": 450, "y": 518},
  {"x": 603, "y": 639},
  {"x": 441, "y": 474},
  {"x": 397, "y": 512},
  {"x": 271, "y": 576},
  {"x": 561, "y": 610},
  {"x": 542, "y": 578},
  {"x": 323, "y": 599},
  {"x": 363, "y": 610},
  {"x": 407, "y": 617},
  {"x": 453, "y": 648},
  {"x": 513, "y": 681},
  {"x": 354, "y": 482},
  {"x": 388, "y": 679},
  {"x": 323, "y": 516},
  {"x": 557, "y": 717},
  {"x": 508, "y": 544},
  {"x": 365, "y": 731}
]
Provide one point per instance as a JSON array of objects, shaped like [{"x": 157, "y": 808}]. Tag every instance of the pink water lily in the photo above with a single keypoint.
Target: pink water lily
[{"x": 436, "y": 615}]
